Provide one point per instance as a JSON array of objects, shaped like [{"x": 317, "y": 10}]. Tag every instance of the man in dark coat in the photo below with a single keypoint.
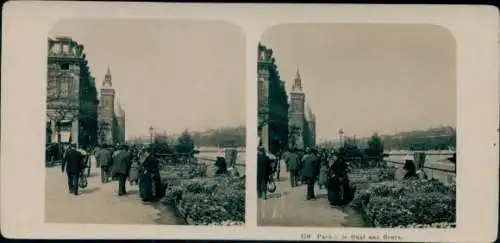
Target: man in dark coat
[
  {"x": 310, "y": 172},
  {"x": 103, "y": 158},
  {"x": 121, "y": 168},
  {"x": 263, "y": 172},
  {"x": 73, "y": 163},
  {"x": 292, "y": 162}
]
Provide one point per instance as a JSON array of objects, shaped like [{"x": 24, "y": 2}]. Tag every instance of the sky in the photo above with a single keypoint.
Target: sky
[
  {"x": 169, "y": 74},
  {"x": 367, "y": 78}
]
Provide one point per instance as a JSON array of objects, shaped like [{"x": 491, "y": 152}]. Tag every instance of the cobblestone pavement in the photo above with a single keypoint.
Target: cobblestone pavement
[
  {"x": 98, "y": 203},
  {"x": 289, "y": 207}
]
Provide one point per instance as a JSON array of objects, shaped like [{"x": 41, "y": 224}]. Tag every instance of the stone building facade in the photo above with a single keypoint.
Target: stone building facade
[
  {"x": 71, "y": 94},
  {"x": 75, "y": 113},
  {"x": 272, "y": 103},
  {"x": 284, "y": 120}
]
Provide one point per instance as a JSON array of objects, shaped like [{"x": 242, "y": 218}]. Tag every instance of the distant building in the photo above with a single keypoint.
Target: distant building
[
  {"x": 302, "y": 120},
  {"x": 283, "y": 122},
  {"x": 75, "y": 114},
  {"x": 71, "y": 94},
  {"x": 111, "y": 114}
]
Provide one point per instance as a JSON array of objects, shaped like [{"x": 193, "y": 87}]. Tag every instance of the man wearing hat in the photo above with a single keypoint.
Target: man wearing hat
[
  {"x": 310, "y": 171},
  {"x": 121, "y": 168},
  {"x": 103, "y": 157},
  {"x": 73, "y": 163},
  {"x": 263, "y": 172},
  {"x": 292, "y": 162}
]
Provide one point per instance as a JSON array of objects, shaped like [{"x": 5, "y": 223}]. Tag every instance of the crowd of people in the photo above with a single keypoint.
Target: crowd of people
[
  {"x": 137, "y": 164},
  {"x": 323, "y": 167},
  {"x": 310, "y": 167}
]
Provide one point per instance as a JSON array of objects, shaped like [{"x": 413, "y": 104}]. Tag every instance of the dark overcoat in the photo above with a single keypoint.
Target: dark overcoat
[
  {"x": 122, "y": 162},
  {"x": 310, "y": 167},
  {"x": 73, "y": 162},
  {"x": 292, "y": 161}
]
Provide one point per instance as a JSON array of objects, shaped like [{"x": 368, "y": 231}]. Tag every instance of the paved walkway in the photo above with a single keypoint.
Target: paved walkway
[
  {"x": 289, "y": 207},
  {"x": 98, "y": 203}
]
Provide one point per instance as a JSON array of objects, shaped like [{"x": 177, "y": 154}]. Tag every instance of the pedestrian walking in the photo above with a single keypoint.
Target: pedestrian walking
[
  {"x": 323, "y": 174},
  {"x": 134, "y": 171},
  {"x": 264, "y": 171},
  {"x": 104, "y": 159},
  {"x": 73, "y": 164},
  {"x": 292, "y": 162},
  {"x": 85, "y": 157},
  {"x": 121, "y": 168},
  {"x": 310, "y": 172}
]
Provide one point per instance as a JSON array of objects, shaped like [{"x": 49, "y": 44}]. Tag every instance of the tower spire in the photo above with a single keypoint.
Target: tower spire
[
  {"x": 297, "y": 76},
  {"x": 107, "y": 83},
  {"x": 297, "y": 84}
]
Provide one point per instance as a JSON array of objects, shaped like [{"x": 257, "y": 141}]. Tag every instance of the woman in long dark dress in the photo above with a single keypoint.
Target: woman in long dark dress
[
  {"x": 339, "y": 190},
  {"x": 149, "y": 178}
]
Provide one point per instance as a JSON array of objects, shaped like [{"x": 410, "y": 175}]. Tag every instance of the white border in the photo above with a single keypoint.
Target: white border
[{"x": 25, "y": 30}]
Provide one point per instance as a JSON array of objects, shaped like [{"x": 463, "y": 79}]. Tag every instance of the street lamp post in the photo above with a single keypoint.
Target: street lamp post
[
  {"x": 341, "y": 137},
  {"x": 151, "y": 130}
]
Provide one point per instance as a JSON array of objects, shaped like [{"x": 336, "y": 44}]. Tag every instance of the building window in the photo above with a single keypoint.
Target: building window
[
  {"x": 65, "y": 86},
  {"x": 64, "y": 89},
  {"x": 65, "y": 49},
  {"x": 65, "y": 66},
  {"x": 56, "y": 48}
]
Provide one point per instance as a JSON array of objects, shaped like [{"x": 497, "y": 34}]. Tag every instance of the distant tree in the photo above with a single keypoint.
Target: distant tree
[
  {"x": 440, "y": 138},
  {"x": 228, "y": 137},
  {"x": 375, "y": 147},
  {"x": 351, "y": 152},
  {"x": 263, "y": 118},
  {"x": 185, "y": 143}
]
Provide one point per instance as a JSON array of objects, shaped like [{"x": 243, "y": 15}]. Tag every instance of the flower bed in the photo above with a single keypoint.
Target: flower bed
[
  {"x": 364, "y": 177},
  {"x": 174, "y": 174},
  {"x": 407, "y": 203},
  {"x": 209, "y": 201}
]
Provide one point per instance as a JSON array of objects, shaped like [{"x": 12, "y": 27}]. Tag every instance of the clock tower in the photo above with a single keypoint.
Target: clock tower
[{"x": 107, "y": 111}]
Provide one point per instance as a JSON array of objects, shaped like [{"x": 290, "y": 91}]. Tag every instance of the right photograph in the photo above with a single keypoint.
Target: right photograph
[{"x": 357, "y": 126}]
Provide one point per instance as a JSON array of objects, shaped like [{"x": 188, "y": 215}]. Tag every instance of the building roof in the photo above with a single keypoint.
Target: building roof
[
  {"x": 118, "y": 109},
  {"x": 309, "y": 115}
]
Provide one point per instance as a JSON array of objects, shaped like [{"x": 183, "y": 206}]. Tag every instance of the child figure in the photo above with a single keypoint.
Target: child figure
[
  {"x": 323, "y": 175},
  {"x": 134, "y": 173}
]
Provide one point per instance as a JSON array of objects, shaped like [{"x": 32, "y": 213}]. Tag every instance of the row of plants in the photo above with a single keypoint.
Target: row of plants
[
  {"x": 174, "y": 173},
  {"x": 202, "y": 200},
  {"x": 415, "y": 203}
]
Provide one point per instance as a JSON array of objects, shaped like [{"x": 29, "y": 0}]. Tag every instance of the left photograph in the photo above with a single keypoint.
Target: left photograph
[{"x": 145, "y": 122}]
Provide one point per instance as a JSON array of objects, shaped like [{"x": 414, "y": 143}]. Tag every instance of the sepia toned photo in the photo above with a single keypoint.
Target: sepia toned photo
[
  {"x": 357, "y": 126},
  {"x": 145, "y": 122},
  {"x": 131, "y": 121}
]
